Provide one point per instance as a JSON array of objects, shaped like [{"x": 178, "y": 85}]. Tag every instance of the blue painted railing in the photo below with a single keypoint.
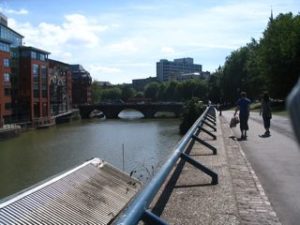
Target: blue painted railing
[{"x": 137, "y": 208}]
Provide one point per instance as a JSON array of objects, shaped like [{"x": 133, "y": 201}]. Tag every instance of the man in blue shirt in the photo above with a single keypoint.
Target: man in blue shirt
[{"x": 243, "y": 105}]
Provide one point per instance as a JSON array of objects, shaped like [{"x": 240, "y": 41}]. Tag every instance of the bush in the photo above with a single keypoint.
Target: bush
[{"x": 192, "y": 110}]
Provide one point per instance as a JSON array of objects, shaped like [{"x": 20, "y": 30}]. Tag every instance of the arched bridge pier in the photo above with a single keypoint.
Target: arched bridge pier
[{"x": 112, "y": 110}]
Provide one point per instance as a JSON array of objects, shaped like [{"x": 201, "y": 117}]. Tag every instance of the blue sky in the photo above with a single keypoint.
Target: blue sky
[{"x": 118, "y": 41}]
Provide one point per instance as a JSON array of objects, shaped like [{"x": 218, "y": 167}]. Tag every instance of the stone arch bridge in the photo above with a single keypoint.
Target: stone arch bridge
[{"x": 112, "y": 110}]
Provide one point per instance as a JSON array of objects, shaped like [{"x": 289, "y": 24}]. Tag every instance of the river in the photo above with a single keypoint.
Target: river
[{"x": 39, "y": 154}]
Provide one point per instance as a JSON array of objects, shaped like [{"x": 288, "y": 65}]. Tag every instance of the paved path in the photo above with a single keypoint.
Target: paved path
[
  {"x": 276, "y": 161},
  {"x": 239, "y": 199}
]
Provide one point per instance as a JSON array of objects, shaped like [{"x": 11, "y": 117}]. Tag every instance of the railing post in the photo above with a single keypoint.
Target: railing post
[
  {"x": 150, "y": 218},
  {"x": 205, "y": 144},
  {"x": 201, "y": 167},
  {"x": 208, "y": 132},
  {"x": 136, "y": 209},
  {"x": 209, "y": 125}
]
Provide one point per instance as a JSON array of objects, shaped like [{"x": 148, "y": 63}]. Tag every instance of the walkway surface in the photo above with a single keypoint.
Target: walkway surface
[
  {"x": 239, "y": 198},
  {"x": 276, "y": 161}
]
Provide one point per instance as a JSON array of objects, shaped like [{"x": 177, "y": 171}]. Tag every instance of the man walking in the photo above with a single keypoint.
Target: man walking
[{"x": 243, "y": 106}]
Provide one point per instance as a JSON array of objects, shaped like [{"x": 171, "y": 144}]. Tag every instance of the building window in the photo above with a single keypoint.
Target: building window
[
  {"x": 44, "y": 82},
  {"x": 36, "y": 93},
  {"x": 8, "y": 106},
  {"x": 7, "y": 91},
  {"x": 33, "y": 55},
  {"x": 36, "y": 83},
  {"x": 4, "y": 47},
  {"x": 44, "y": 93},
  {"x": 35, "y": 69},
  {"x": 6, "y": 62},
  {"x": 6, "y": 77},
  {"x": 42, "y": 57}
]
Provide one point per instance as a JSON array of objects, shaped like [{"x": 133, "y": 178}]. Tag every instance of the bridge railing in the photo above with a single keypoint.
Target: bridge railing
[{"x": 138, "y": 208}]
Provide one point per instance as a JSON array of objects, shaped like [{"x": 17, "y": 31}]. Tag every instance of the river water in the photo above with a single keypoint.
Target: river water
[{"x": 39, "y": 154}]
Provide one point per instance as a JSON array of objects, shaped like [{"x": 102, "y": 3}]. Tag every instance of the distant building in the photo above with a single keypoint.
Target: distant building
[
  {"x": 9, "y": 40},
  {"x": 103, "y": 84},
  {"x": 139, "y": 84},
  {"x": 60, "y": 80},
  {"x": 81, "y": 85},
  {"x": 172, "y": 70}
]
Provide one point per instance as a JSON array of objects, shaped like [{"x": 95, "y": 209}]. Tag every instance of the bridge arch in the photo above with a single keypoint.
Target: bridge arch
[
  {"x": 130, "y": 113},
  {"x": 112, "y": 110}
]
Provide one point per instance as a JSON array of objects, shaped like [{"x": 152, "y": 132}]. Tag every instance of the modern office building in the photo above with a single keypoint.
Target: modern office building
[
  {"x": 60, "y": 87},
  {"x": 9, "y": 41},
  {"x": 81, "y": 85},
  {"x": 172, "y": 70}
]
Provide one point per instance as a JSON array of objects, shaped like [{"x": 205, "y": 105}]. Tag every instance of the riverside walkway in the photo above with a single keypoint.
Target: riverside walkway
[{"x": 239, "y": 198}]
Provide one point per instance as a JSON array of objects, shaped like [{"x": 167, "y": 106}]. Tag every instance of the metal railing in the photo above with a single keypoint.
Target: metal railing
[{"x": 137, "y": 208}]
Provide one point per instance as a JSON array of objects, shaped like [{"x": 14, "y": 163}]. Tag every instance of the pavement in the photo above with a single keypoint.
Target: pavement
[
  {"x": 187, "y": 197},
  {"x": 276, "y": 161}
]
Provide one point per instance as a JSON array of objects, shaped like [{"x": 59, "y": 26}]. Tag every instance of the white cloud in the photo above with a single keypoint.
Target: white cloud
[
  {"x": 167, "y": 50},
  {"x": 96, "y": 69},
  {"x": 125, "y": 47},
  {"x": 14, "y": 12},
  {"x": 77, "y": 31}
]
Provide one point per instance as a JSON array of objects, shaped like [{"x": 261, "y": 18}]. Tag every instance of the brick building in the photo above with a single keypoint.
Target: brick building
[
  {"x": 81, "y": 85},
  {"x": 32, "y": 88},
  {"x": 9, "y": 40},
  {"x": 60, "y": 80}
]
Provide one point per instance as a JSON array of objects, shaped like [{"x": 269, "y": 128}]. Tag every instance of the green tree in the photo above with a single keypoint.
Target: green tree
[
  {"x": 151, "y": 91},
  {"x": 95, "y": 92},
  {"x": 192, "y": 110},
  {"x": 193, "y": 88},
  {"x": 280, "y": 54},
  {"x": 235, "y": 75},
  {"x": 171, "y": 91},
  {"x": 213, "y": 86},
  {"x": 127, "y": 92},
  {"x": 114, "y": 93}
]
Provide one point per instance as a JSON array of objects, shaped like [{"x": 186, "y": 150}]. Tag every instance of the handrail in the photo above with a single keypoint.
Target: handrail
[{"x": 138, "y": 206}]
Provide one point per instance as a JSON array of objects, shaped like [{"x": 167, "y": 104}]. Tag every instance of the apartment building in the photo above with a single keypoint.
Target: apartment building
[
  {"x": 32, "y": 84},
  {"x": 9, "y": 40}
]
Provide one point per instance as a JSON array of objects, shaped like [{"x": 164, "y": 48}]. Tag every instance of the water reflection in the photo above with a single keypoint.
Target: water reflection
[{"x": 130, "y": 114}]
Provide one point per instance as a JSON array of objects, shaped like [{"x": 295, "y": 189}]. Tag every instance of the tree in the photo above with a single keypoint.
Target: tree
[
  {"x": 95, "y": 92},
  {"x": 110, "y": 94},
  {"x": 213, "y": 85},
  {"x": 151, "y": 91},
  {"x": 192, "y": 88},
  {"x": 280, "y": 54},
  {"x": 192, "y": 110},
  {"x": 171, "y": 91},
  {"x": 127, "y": 92}
]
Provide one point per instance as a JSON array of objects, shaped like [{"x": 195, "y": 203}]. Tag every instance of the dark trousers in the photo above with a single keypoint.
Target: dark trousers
[
  {"x": 267, "y": 122},
  {"x": 244, "y": 122}
]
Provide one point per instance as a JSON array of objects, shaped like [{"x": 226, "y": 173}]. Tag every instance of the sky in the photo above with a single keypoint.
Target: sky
[{"x": 119, "y": 40}]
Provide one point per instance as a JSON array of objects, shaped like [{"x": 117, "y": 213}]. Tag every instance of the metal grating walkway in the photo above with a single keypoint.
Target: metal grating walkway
[{"x": 92, "y": 193}]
